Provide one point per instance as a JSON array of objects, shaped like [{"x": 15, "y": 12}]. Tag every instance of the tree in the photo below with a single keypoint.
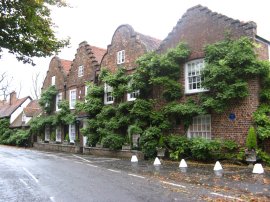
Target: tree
[
  {"x": 35, "y": 92},
  {"x": 4, "y": 86},
  {"x": 26, "y": 29}
]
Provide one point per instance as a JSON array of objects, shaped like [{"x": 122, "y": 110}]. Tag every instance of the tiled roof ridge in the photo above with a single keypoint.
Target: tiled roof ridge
[{"x": 243, "y": 25}]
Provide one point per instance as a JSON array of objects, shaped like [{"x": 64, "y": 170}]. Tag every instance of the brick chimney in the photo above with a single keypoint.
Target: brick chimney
[{"x": 12, "y": 97}]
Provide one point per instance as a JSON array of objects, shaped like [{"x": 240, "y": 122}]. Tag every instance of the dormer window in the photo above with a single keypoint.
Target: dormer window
[
  {"x": 53, "y": 80},
  {"x": 121, "y": 57},
  {"x": 80, "y": 71},
  {"x": 193, "y": 78}
]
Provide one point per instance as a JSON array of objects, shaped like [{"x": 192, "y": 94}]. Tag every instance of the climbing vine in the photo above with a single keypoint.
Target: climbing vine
[
  {"x": 229, "y": 66},
  {"x": 47, "y": 99}
]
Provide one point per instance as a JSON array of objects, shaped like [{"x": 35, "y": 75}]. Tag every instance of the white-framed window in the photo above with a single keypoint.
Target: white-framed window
[
  {"x": 200, "y": 127},
  {"x": 57, "y": 101},
  {"x": 193, "y": 79},
  {"x": 86, "y": 90},
  {"x": 47, "y": 133},
  {"x": 132, "y": 95},
  {"x": 80, "y": 71},
  {"x": 121, "y": 57},
  {"x": 53, "y": 80},
  {"x": 108, "y": 98},
  {"x": 72, "y": 98},
  {"x": 72, "y": 133},
  {"x": 58, "y": 133}
]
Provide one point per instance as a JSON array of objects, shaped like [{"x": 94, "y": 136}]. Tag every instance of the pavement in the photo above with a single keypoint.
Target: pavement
[{"x": 234, "y": 180}]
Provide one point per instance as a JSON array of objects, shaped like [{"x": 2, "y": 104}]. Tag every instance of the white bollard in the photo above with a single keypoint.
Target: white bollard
[
  {"x": 218, "y": 166},
  {"x": 183, "y": 164},
  {"x": 258, "y": 169},
  {"x": 157, "y": 162},
  {"x": 134, "y": 159}
]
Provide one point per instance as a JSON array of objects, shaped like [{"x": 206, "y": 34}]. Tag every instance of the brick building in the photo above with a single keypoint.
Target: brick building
[
  {"x": 198, "y": 27},
  {"x": 57, "y": 76},
  {"x": 83, "y": 69},
  {"x": 126, "y": 47}
]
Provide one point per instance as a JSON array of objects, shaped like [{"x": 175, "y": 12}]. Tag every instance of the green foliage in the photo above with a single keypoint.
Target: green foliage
[
  {"x": 183, "y": 111},
  {"x": 178, "y": 146},
  {"x": 47, "y": 99},
  {"x": 262, "y": 120},
  {"x": 64, "y": 116},
  {"x": 37, "y": 124},
  {"x": 229, "y": 66},
  {"x": 133, "y": 129},
  {"x": 251, "y": 141},
  {"x": 26, "y": 29},
  {"x": 161, "y": 72},
  {"x": 263, "y": 156},
  {"x": 149, "y": 141},
  {"x": 113, "y": 141},
  {"x": 15, "y": 137},
  {"x": 4, "y": 125}
]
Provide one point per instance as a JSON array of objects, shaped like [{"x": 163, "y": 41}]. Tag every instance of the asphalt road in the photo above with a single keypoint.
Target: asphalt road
[{"x": 29, "y": 175}]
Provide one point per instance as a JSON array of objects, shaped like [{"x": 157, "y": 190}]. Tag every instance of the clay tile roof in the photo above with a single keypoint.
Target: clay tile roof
[
  {"x": 150, "y": 43},
  {"x": 66, "y": 64},
  {"x": 98, "y": 53},
  {"x": 32, "y": 109},
  {"x": 6, "y": 110}
]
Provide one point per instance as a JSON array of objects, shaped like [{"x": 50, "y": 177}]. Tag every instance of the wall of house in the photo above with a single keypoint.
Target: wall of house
[
  {"x": 19, "y": 110},
  {"x": 124, "y": 38},
  {"x": 198, "y": 27},
  {"x": 55, "y": 70}
]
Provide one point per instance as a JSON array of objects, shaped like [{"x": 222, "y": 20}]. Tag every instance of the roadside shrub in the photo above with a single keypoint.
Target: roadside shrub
[
  {"x": 92, "y": 139},
  {"x": 263, "y": 156},
  {"x": 18, "y": 138},
  {"x": 149, "y": 141},
  {"x": 113, "y": 141},
  {"x": 203, "y": 149},
  {"x": 251, "y": 141},
  {"x": 178, "y": 146}
]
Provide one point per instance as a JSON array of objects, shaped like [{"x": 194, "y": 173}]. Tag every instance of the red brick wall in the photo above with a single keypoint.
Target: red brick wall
[
  {"x": 199, "y": 27},
  {"x": 126, "y": 39},
  {"x": 56, "y": 70}
]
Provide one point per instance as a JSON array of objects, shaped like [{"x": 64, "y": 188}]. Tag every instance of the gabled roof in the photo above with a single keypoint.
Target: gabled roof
[
  {"x": 150, "y": 43},
  {"x": 6, "y": 110},
  {"x": 98, "y": 53},
  {"x": 32, "y": 109},
  {"x": 66, "y": 64}
]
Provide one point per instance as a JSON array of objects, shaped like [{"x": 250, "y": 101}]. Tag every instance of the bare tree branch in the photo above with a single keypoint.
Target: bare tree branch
[
  {"x": 35, "y": 92},
  {"x": 5, "y": 85}
]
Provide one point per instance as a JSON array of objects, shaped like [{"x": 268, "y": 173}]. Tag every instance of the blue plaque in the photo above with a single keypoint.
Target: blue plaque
[{"x": 232, "y": 116}]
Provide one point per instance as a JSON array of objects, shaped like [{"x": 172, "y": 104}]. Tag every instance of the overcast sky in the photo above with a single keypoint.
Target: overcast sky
[{"x": 95, "y": 22}]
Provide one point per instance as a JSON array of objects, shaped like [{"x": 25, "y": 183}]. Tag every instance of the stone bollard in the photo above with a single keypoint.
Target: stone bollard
[
  {"x": 218, "y": 166},
  {"x": 134, "y": 159},
  {"x": 157, "y": 162},
  {"x": 183, "y": 164},
  {"x": 258, "y": 169}
]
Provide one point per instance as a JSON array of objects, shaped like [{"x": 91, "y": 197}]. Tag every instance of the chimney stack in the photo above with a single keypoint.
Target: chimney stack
[{"x": 12, "y": 97}]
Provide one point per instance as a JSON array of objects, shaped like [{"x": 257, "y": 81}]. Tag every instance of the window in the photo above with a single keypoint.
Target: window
[
  {"x": 108, "y": 98},
  {"x": 58, "y": 134},
  {"x": 200, "y": 127},
  {"x": 72, "y": 98},
  {"x": 193, "y": 78},
  {"x": 72, "y": 133},
  {"x": 132, "y": 95},
  {"x": 86, "y": 90},
  {"x": 53, "y": 80},
  {"x": 47, "y": 133},
  {"x": 80, "y": 71},
  {"x": 58, "y": 100},
  {"x": 121, "y": 57}
]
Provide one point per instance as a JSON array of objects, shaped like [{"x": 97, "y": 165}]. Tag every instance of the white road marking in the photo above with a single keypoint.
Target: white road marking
[
  {"x": 78, "y": 162},
  {"x": 226, "y": 196},
  {"x": 136, "y": 176},
  {"x": 52, "y": 199},
  {"x": 176, "y": 185},
  {"x": 107, "y": 160},
  {"x": 31, "y": 175},
  {"x": 82, "y": 158},
  {"x": 116, "y": 171},
  {"x": 92, "y": 165},
  {"x": 22, "y": 181}
]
